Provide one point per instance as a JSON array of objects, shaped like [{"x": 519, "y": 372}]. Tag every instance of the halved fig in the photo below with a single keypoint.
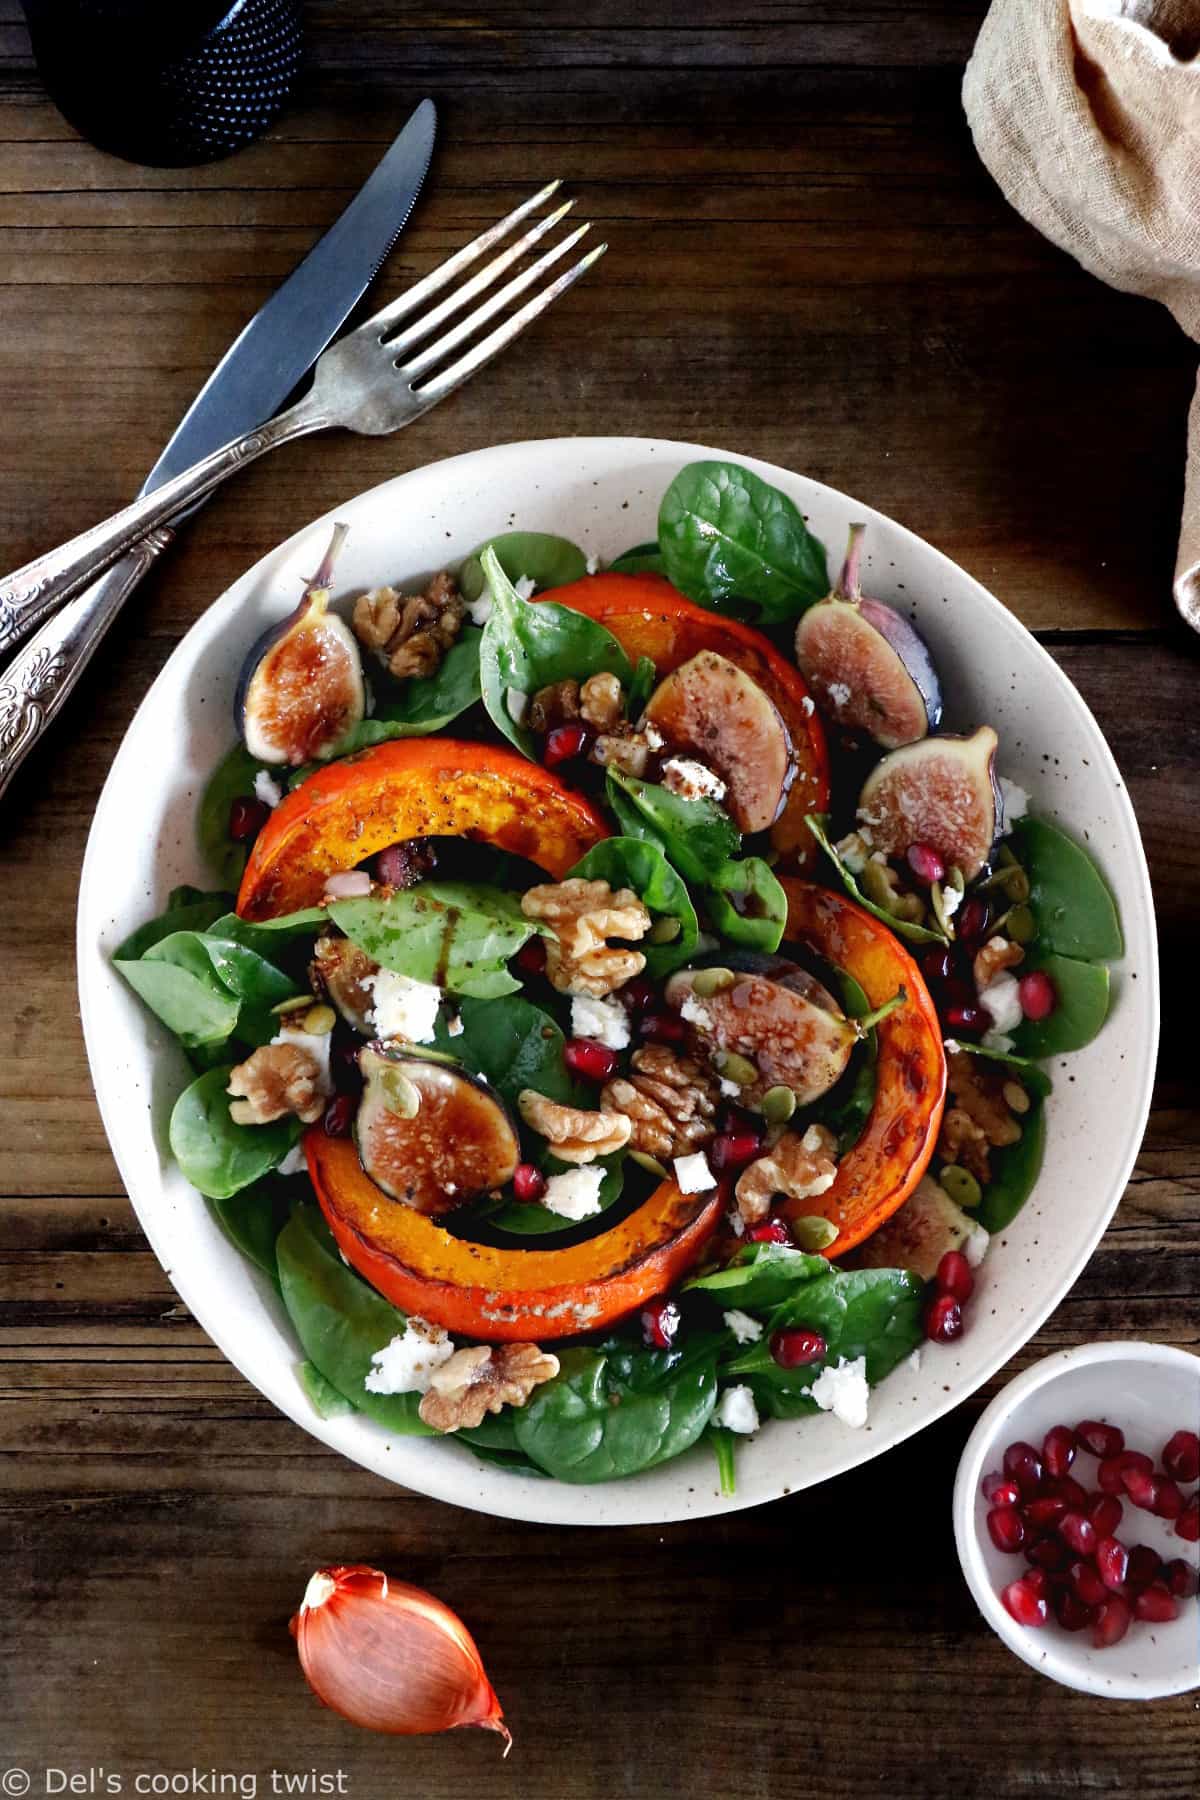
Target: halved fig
[
  {"x": 918, "y": 1234},
  {"x": 941, "y": 792},
  {"x": 501, "y": 1294},
  {"x": 301, "y": 687},
  {"x": 429, "y": 1134},
  {"x": 711, "y": 709},
  {"x": 770, "y": 1025},
  {"x": 342, "y": 971},
  {"x": 868, "y": 666}
]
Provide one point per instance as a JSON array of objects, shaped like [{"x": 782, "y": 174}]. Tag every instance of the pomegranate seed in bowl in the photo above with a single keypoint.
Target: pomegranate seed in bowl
[
  {"x": 1181, "y": 1457},
  {"x": 1182, "y": 1578},
  {"x": 1065, "y": 1487},
  {"x": 1156, "y": 1604},
  {"x": 1100, "y": 1439},
  {"x": 1168, "y": 1500},
  {"x": 1006, "y": 1528},
  {"x": 1071, "y": 1612},
  {"x": 1045, "y": 1511},
  {"x": 1077, "y": 1530},
  {"x": 1000, "y": 1490},
  {"x": 1106, "y": 1513},
  {"x": 1108, "y": 1476},
  {"x": 1023, "y": 1463},
  {"x": 1058, "y": 1450},
  {"x": 1025, "y": 1600},
  {"x": 1112, "y": 1622},
  {"x": 1144, "y": 1565},
  {"x": 1187, "y": 1525},
  {"x": 1112, "y": 1563},
  {"x": 1087, "y": 1583}
]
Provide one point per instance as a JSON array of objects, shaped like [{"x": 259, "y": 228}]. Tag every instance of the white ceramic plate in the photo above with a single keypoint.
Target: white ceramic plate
[{"x": 604, "y": 493}]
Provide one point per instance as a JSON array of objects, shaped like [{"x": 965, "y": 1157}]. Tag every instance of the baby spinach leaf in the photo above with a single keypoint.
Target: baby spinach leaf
[
  {"x": 760, "y": 1277},
  {"x": 547, "y": 561},
  {"x": 512, "y": 1461},
  {"x": 252, "y": 1219},
  {"x": 723, "y": 1444},
  {"x": 324, "y": 1398},
  {"x": 270, "y": 936},
  {"x": 418, "y": 707},
  {"x": 642, "y": 559},
  {"x": 187, "y": 910},
  {"x": 513, "y": 1044},
  {"x": 698, "y": 836},
  {"x": 528, "y": 645},
  {"x": 189, "y": 1000},
  {"x": 245, "y": 973},
  {"x": 216, "y": 1155},
  {"x": 1083, "y": 993},
  {"x": 727, "y": 536},
  {"x": 340, "y": 1321},
  {"x": 459, "y": 934},
  {"x": 874, "y": 1313},
  {"x": 747, "y": 905},
  {"x": 539, "y": 1221},
  {"x": 1015, "y": 1169},
  {"x": 645, "y": 675},
  {"x": 639, "y": 864},
  {"x": 1071, "y": 904},
  {"x": 916, "y": 934},
  {"x": 615, "y": 1410},
  {"x": 232, "y": 779}
]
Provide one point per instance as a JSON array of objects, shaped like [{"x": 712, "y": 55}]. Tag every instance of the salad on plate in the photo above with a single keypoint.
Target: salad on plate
[{"x": 623, "y": 1016}]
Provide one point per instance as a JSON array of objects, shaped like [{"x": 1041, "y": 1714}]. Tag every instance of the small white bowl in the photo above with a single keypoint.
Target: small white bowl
[{"x": 1150, "y": 1391}]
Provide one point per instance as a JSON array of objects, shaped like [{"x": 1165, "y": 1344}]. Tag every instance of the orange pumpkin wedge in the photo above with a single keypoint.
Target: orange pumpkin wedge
[
  {"x": 881, "y": 1170},
  {"x": 503, "y": 1295},
  {"x": 648, "y": 617},
  {"x": 412, "y": 787}
]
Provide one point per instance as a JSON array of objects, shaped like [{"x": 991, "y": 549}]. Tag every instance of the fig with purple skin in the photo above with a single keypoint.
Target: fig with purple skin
[
  {"x": 941, "y": 793},
  {"x": 868, "y": 666},
  {"x": 710, "y": 709},
  {"x": 301, "y": 688},
  {"x": 429, "y": 1134}
]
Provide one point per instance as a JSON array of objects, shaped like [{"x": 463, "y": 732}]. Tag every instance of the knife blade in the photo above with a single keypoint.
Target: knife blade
[{"x": 287, "y": 334}]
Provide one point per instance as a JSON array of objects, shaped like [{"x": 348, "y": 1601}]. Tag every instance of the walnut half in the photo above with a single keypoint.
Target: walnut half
[
  {"x": 481, "y": 1379},
  {"x": 796, "y": 1167},
  {"x": 275, "y": 1080},
  {"x": 410, "y": 633},
  {"x": 574, "y": 1134},
  {"x": 583, "y": 915},
  {"x": 669, "y": 1100}
]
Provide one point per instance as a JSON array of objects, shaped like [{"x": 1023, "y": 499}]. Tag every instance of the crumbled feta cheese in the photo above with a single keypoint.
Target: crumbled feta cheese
[
  {"x": 266, "y": 789},
  {"x": 729, "y": 1089},
  {"x": 653, "y": 736},
  {"x": 809, "y": 705},
  {"x": 736, "y": 1411},
  {"x": 997, "y": 1040},
  {"x": 854, "y": 850},
  {"x": 575, "y": 1194},
  {"x": 318, "y": 1046},
  {"x": 454, "y": 1026},
  {"x": 591, "y": 564},
  {"x": 524, "y": 586},
  {"x": 693, "y": 1173},
  {"x": 402, "y": 1007},
  {"x": 951, "y": 900},
  {"x": 691, "y": 780},
  {"x": 1014, "y": 803},
  {"x": 516, "y": 704},
  {"x": 604, "y": 1020},
  {"x": 745, "y": 1329},
  {"x": 913, "y": 1362},
  {"x": 735, "y": 1222},
  {"x": 294, "y": 1163},
  {"x": 839, "y": 693},
  {"x": 1001, "y": 997},
  {"x": 481, "y": 609},
  {"x": 406, "y": 1364},
  {"x": 695, "y": 1013},
  {"x": 951, "y": 1045},
  {"x": 976, "y": 1246},
  {"x": 843, "y": 1391}
]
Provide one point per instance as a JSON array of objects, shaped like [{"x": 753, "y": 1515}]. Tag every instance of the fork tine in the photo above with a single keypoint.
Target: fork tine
[
  {"x": 478, "y": 284},
  {"x": 415, "y": 297},
  {"x": 481, "y": 353},
  {"x": 438, "y": 351}
]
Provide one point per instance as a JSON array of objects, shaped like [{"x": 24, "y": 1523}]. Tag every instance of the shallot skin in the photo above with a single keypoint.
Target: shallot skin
[{"x": 391, "y": 1657}]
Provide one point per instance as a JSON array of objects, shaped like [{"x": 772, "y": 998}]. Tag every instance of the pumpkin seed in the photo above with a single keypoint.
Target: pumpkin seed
[
  {"x": 1015, "y": 1097},
  {"x": 1022, "y": 926},
  {"x": 778, "y": 1105},
  {"x": 319, "y": 1021},
  {"x": 707, "y": 982},
  {"x": 813, "y": 1233},
  {"x": 961, "y": 1185},
  {"x": 1016, "y": 886},
  {"x": 736, "y": 1068},
  {"x": 403, "y": 1097},
  {"x": 650, "y": 1163},
  {"x": 664, "y": 930},
  {"x": 293, "y": 1003}
]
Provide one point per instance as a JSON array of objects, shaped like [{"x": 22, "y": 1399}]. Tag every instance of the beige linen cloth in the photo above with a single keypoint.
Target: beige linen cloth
[{"x": 1087, "y": 113}]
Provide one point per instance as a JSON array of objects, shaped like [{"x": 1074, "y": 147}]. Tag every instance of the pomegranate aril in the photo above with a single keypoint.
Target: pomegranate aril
[
  {"x": 564, "y": 742},
  {"x": 1112, "y": 1563},
  {"x": 1000, "y": 1490},
  {"x": 1037, "y": 994},
  {"x": 247, "y": 818},
  {"x": 1168, "y": 1501},
  {"x": 1181, "y": 1456},
  {"x": 1045, "y": 1510},
  {"x": 1181, "y": 1578},
  {"x": 1023, "y": 1463},
  {"x": 973, "y": 923},
  {"x": 589, "y": 1059},
  {"x": 1067, "y": 1488},
  {"x": 662, "y": 1027},
  {"x": 660, "y": 1323},
  {"x": 339, "y": 1115},
  {"x": 1049, "y": 1553},
  {"x": 1187, "y": 1525},
  {"x": 1087, "y": 1584},
  {"x": 1136, "y": 1459},
  {"x": 771, "y": 1231},
  {"x": 1108, "y": 1476},
  {"x": 531, "y": 957},
  {"x": 969, "y": 1019},
  {"x": 954, "y": 1276},
  {"x": 794, "y": 1348},
  {"x": 637, "y": 994},
  {"x": 1026, "y": 1601},
  {"x": 1006, "y": 1528},
  {"x": 1155, "y": 1604},
  {"x": 1077, "y": 1530},
  {"x": 1106, "y": 1513},
  {"x": 1141, "y": 1487},
  {"x": 943, "y": 1319},
  {"x": 1144, "y": 1565},
  {"x": 734, "y": 1151},
  {"x": 529, "y": 1184},
  {"x": 1058, "y": 1450},
  {"x": 1112, "y": 1622},
  {"x": 1071, "y": 1612},
  {"x": 1100, "y": 1439},
  {"x": 937, "y": 964},
  {"x": 925, "y": 863}
]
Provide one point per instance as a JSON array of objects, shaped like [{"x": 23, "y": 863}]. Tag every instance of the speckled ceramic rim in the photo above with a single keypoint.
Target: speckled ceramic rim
[
  {"x": 604, "y": 493},
  {"x": 1051, "y": 1652}
]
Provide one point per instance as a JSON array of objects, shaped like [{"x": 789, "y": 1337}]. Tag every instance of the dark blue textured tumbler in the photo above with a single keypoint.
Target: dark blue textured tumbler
[{"x": 167, "y": 82}]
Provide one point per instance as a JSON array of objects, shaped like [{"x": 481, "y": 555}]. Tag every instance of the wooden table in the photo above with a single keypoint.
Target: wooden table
[{"x": 807, "y": 263}]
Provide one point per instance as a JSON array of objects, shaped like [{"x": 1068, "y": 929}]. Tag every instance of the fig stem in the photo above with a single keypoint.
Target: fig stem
[
  {"x": 871, "y": 1019},
  {"x": 849, "y": 585},
  {"x": 324, "y": 574}
]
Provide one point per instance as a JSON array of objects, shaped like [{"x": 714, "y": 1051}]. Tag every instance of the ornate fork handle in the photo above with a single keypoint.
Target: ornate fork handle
[
  {"x": 38, "y": 680},
  {"x": 35, "y": 590}
]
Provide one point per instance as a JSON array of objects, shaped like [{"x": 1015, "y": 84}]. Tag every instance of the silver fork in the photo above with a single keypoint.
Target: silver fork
[{"x": 374, "y": 380}]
